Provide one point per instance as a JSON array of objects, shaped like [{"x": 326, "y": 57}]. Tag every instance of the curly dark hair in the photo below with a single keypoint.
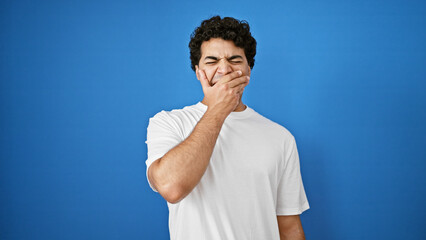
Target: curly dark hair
[{"x": 227, "y": 28}]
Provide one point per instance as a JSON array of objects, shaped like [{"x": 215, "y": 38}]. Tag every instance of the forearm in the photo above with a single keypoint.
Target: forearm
[
  {"x": 180, "y": 169},
  {"x": 290, "y": 228},
  {"x": 295, "y": 236}
]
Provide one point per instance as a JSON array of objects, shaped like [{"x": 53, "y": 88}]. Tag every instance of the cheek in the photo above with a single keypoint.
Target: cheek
[
  {"x": 210, "y": 73},
  {"x": 244, "y": 70},
  {"x": 248, "y": 70}
]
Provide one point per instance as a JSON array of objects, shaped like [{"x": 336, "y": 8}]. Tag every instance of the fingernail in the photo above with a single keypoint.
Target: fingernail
[
  {"x": 248, "y": 78},
  {"x": 239, "y": 72}
]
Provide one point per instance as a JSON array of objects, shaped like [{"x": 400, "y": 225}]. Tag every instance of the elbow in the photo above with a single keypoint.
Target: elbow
[{"x": 172, "y": 193}]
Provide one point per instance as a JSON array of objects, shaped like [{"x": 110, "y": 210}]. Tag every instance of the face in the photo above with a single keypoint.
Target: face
[{"x": 220, "y": 57}]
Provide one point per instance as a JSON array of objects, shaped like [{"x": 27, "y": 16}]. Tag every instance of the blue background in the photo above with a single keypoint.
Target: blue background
[{"x": 80, "y": 79}]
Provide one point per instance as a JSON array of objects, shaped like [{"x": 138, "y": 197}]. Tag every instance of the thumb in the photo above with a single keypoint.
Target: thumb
[{"x": 203, "y": 79}]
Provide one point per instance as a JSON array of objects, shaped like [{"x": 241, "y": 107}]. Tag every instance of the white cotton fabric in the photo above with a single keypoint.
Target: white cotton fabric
[{"x": 253, "y": 176}]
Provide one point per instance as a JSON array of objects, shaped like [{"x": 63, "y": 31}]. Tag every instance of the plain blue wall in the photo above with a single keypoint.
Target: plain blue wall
[{"x": 79, "y": 81}]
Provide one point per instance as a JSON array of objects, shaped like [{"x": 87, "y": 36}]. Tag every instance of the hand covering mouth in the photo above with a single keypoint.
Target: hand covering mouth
[{"x": 215, "y": 79}]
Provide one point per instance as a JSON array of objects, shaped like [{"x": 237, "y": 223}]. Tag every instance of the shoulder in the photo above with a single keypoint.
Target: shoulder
[
  {"x": 181, "y": 121},
  {"x": 274, "y": 127},
  {"x": 175, "y": 114}
]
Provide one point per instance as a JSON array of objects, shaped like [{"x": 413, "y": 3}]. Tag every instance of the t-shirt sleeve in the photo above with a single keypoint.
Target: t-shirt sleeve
[
  {"x": 291, "y": 196},
  {"x": 162, "y": 135}
]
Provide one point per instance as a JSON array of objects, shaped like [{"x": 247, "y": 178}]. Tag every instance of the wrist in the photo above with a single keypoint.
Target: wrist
[{"x": 217, "y": 113}]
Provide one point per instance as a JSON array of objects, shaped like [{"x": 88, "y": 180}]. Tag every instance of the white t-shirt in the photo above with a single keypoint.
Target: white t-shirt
[{"x": 253, "y": 176}]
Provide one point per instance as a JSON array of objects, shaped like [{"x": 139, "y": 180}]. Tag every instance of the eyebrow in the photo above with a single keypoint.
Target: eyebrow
[{"x": 229, "y": 59}]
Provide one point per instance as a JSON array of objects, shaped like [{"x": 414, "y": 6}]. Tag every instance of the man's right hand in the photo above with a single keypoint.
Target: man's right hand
[{"x": 225, "y": 94}]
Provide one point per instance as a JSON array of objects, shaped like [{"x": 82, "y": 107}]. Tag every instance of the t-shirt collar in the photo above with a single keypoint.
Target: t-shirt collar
[{"x": 243, "y": 114}]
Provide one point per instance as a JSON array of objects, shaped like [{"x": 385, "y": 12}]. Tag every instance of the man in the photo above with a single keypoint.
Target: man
[{"x": 225, "y": 171}]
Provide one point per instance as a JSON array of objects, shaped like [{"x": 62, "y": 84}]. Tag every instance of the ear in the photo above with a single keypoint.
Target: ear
[
  {"x": 249, "y": 71},
  {"x": 196, "y": 72}
]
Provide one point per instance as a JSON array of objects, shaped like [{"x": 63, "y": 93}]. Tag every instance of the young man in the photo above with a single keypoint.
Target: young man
[{"x": 225, "y": 171}]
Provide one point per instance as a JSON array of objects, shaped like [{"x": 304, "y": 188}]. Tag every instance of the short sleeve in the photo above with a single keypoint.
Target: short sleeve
[
  {"x": 162, "y": 135},
  {"x": 291, "y": 196}
]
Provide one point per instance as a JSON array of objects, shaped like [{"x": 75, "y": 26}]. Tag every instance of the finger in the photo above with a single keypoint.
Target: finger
[
  {"x": 241, "y": 88},
  {"x": 203, "y": 79},
  {"x": 238, "y": 81},
  {"x": 230, "y": 76}
]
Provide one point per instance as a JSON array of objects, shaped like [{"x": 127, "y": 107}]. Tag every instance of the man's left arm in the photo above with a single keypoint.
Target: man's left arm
[{"x": 290, "y": 228}]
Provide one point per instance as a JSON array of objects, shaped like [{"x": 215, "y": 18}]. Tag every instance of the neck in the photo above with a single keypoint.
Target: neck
[{"x": 241, "y": 107}]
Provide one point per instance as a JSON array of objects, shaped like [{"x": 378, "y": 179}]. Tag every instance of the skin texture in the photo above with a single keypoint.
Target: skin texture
[
  {"x": 290, "y": 228},
  {"x": 223, "y": 72}
]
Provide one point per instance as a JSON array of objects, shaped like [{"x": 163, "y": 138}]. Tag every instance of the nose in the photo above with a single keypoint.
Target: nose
[{"x": 224, "y": 67}]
